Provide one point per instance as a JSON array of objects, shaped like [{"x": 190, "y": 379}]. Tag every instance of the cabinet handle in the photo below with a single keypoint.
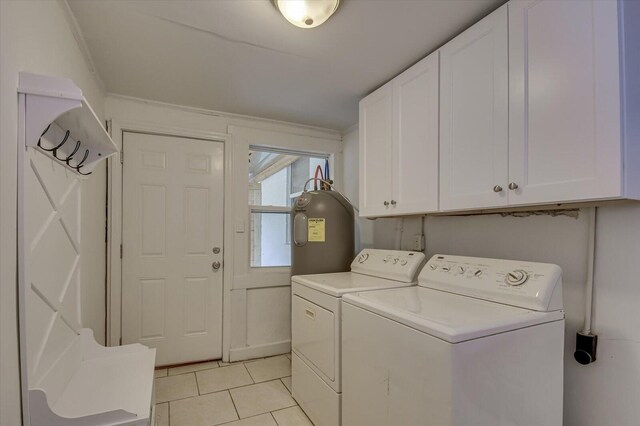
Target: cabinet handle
[
  {"x": 497, "y": 188},
  {"x": 386, "y": 203},
  {"x": 393, "y": 202},
  {"x": 513, "y": 186}
]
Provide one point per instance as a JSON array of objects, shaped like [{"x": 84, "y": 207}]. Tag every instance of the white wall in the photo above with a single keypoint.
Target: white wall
[
  {"x": 363, "y": 227},
  {"x": 605, "y": 393},
  {"x": 35, "y": 37}
]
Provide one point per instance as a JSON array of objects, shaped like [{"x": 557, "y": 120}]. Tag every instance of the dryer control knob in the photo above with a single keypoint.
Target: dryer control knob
[{"x": 516, "y": 278}]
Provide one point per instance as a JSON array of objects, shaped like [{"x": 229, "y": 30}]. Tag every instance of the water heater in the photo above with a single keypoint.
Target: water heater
[{"x": 323, "y": 233}]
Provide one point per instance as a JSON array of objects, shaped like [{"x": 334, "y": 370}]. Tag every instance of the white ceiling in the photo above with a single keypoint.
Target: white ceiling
[{"x": 242, "y": 56}]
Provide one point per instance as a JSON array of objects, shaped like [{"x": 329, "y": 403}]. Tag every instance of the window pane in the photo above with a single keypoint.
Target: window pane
[
  {"x": 270, "y": 239},
  {"x": 274, "y": 189},
  {"x": 275, "y": 179},
  {"x": 269, "y": 178}
]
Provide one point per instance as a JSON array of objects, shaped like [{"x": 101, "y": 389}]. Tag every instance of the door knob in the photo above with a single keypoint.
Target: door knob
[
  {"x": 497, "y": 188},
  {"x": 513, "y": 186},
  {"x": 216, "y": 265},
  {"x": 216, "y": 250},
  {"x": 386, "y": 203},
  {"x": 393, "y": 202}
]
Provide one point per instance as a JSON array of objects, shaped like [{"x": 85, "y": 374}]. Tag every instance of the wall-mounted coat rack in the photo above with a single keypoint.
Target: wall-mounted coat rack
[
  {"x": 59, "y": 122},
  {"x": 68, "y": 379}
]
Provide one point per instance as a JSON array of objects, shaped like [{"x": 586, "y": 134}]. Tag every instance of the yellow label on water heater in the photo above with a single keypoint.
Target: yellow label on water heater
[{"x": 315, "y": 227}]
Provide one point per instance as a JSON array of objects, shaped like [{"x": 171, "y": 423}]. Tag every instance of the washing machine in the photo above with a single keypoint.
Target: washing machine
[
  {"x": 316, "y": 325},
  {"x": 479, "y": 342}
]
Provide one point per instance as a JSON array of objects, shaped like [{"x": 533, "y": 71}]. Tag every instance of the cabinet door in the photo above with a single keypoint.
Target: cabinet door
[
  {"x": 415, "y": 138},
  {"x": 474, "y": 116},
  {"x": 564, "y": 101},
  {"x": 375, "y": 152}
]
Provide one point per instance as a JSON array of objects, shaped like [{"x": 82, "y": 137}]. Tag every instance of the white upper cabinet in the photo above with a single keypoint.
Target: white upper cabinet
[
  {"x": 399, "y": 144},
  {"x": 474, "y": 116},
  {"x": 538, "y": 104},
  {"x": 415, "y": 138},
  {"x": 375, "y": 151},
  {"x": 564, "y": 101}
]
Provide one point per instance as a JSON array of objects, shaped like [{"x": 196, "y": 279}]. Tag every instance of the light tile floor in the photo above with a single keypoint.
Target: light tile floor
[{"x": 249, "y": 393}]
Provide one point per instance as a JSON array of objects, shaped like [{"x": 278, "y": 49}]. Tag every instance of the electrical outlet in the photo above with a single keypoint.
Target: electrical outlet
[{"x": 418, "y": 242}]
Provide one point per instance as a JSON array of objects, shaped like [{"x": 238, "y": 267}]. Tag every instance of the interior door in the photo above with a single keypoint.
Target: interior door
[
  {"x": 564, "y": 101},
  {"x": 415, "y": 144},
  {"x": 172, "y": 246},
  {"x": 376, "y": 153},
  {"x": 474, "y": 116}
]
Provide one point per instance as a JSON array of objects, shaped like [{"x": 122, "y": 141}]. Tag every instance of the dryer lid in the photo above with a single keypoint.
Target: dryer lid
[
  {"x": 339, "y": 283},
  {"x": 450, "y": 317}
]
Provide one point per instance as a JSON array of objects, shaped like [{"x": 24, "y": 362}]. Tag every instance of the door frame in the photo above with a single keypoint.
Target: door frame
[{"x": 116, "y": 129}]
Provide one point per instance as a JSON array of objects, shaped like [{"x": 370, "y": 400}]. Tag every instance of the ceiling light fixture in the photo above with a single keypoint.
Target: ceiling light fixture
[{"x": 306, "y": 13}]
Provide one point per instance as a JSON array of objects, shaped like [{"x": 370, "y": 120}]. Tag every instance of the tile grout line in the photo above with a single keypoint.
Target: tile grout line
[
  {"x": 234, "y": 404},
  {"x": 187, "y": 372},
  {"x": 197, "y": 384},
  {"x": 274, "y": 418},
  {"x": 178, "y": 375},
  {"x": 249, "y": 372},
  {"x": 227, "y": 389},
  {"x": 250, "y": 417}
]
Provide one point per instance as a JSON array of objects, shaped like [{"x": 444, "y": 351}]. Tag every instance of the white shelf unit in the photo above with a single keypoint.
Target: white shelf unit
[
  {"x": 67, "y": 377},
  {"x": 55, "y": 111}
]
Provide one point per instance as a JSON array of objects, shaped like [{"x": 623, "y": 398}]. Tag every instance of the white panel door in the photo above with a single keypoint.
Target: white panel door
[
  {"x": 172, "y": 220},
  {"x": 376, "y": 152},
  {"x": 415, "y": 138},
  {"x": 474, "y": 116},
  {"x": 564, "y": 101}
]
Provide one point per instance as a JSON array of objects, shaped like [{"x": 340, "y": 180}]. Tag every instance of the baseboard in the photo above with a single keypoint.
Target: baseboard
[{"x": 259, "y": 351}]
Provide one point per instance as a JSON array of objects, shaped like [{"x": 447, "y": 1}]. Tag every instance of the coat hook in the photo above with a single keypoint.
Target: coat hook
[
  {"x": 45, "y": 131},
  {"x": 55, "y": 149},
  {"x": 86, "y": 154},
  {"x": 72, "y": 153}
]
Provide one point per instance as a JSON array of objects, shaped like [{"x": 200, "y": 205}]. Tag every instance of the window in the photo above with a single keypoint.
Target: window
[{"x": 275, "y": 179}]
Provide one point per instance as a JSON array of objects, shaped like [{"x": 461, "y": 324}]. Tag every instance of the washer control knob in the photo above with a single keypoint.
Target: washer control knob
[
  {"x": 433, "y": 266},
  {"x": 446, "y": 268},
  {"x": 478, "y": 272},
  {"x": 395, "y": 260},
  {"x": 516, "y": 277},
  {"x": 403, "y": 262},
  {"x": 363, "y": 257},
  {"x": 461, "y": 269}
]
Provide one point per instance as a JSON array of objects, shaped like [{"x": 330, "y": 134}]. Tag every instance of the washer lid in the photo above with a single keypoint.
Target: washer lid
[
  {"x": 447, "y": 316},
  {"x": 528, "y": 285},
  {"x": 340, "y": 283}
]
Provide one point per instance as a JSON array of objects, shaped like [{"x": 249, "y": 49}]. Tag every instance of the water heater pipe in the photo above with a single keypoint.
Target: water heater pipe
[
  {"x": 330, "y": 185},
  {"x": 399, "y": 233},
  {"x": 588, "y": 307}
]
